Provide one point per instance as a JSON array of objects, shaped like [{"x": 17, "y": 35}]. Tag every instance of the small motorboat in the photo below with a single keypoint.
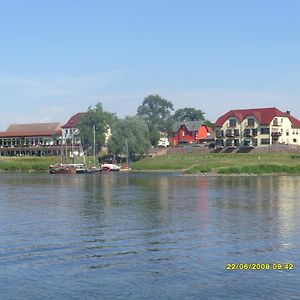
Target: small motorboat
[
  {"x": 125, "y": 168},
  {"x": 110, "y": 168}
]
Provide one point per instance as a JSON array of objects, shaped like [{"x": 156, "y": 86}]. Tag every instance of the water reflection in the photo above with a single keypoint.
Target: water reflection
[{"x": 155, "y": 235}]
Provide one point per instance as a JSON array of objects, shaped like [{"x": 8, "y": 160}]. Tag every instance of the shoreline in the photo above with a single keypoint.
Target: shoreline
[
  {"x": 179, "y": 172},
  {"x": 213, "y": 174}
]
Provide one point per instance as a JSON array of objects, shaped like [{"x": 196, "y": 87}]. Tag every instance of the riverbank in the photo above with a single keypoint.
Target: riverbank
[
  {"x": 213, "y": 164},
  {"x": 223, "y": 163},
  {"x": 27, "y": 164}
]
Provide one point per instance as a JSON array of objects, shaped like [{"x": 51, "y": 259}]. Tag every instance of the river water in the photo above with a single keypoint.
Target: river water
[{"x": 148, "y": 236}]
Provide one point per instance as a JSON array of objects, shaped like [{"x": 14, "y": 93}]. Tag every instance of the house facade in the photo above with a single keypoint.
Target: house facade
[
  {"x": 190, "y": 132},
  {"x": 69, "y": 131},
  {"x": 256, "y": 127}
]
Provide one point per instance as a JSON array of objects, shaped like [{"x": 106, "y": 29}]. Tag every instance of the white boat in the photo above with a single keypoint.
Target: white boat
[{"x": 110, "y": 168}]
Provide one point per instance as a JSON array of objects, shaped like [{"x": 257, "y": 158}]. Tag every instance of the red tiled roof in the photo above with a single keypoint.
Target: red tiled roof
[
  {"x": 28, "y": 133},
  {"x": 73, "y": 121},
  {"x": 263, "y": 115},
  {"x": 211, "y": 131},
  {"x": 32, "y": 130}
]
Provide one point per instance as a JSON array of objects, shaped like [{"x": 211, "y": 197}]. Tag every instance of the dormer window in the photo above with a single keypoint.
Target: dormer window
[
  {"x": 232, "y": 122},
  {"x": 250, "y": 122}
]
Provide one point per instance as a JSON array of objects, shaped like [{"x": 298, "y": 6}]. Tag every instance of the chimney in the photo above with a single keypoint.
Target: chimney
[{"x": 288, "y": 112}]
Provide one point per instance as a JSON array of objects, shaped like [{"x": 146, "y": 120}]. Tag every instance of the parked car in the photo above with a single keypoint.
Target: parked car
[{"x": 163, "y": 143}]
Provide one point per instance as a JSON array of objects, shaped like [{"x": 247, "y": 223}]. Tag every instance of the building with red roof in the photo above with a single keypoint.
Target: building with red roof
[
  {"x": 41, "y": 138},
  {"x": 256, "y": 127},
  {"x": 70, "y": 129},
  {"x": 31, "y": 139},
  {"x": 190, "y": 132}
]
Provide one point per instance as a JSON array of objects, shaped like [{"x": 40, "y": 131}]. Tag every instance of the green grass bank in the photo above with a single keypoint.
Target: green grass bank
[
  {"x": 30, "y": 164},
  {"x": 26, "y": 164},
  {"x": 190, "y": 163},
  {"x": 223, "y": 163}
]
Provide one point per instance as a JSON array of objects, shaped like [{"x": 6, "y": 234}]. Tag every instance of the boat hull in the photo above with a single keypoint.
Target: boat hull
[{"x": 62, "y": 169}]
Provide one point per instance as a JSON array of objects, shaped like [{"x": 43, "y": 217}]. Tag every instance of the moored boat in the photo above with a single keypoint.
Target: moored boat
[
  {"x": 125, "y": 168},
  {"x": 110, "y": 168},
  {"x": 62, "y": 169}
]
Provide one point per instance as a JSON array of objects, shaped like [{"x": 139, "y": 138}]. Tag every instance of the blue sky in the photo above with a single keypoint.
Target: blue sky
[{"x": 60, "y": 56}]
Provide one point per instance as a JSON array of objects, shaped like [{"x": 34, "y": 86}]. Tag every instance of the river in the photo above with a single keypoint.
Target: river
[{"x": 149, "y": 236}]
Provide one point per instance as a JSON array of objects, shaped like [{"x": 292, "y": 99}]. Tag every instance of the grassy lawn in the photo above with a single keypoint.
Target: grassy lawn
[
  {"x": 223, "y": 163},
  {"x": 27, "y": 163},
  {"x": 191, "y": 163}
]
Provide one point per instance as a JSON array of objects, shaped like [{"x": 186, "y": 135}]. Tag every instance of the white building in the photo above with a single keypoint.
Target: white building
[{"x": 256, "y": 127}]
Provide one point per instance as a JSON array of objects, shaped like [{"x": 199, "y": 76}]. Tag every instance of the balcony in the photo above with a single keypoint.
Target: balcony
[
  {"x": 229, "y": 133},
  {"x": 236, "y": 132},
  {"x": 276, "y": 134},
  {"x": 230, "y": 143},
  {"x": 219, "y": 144},
  {"x": 219, "y": 134},
  {"x": 254, "y": 131},
  {"x": 248, "y": 133}
]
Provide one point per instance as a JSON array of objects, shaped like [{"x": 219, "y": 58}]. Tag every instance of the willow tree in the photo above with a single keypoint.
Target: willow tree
[{"x": 131, "y": 131}]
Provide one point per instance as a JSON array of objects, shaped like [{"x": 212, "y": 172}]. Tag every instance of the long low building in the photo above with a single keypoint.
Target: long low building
[{"x": 31, "y": 139}]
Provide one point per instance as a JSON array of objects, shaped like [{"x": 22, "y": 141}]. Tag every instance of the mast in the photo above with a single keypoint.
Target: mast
[
  {"x": 61, "y": 150},
  {"x": 127, "y": 152},
  {"x": 94, "y": 132},
  {"x": 73, "y": 157}
]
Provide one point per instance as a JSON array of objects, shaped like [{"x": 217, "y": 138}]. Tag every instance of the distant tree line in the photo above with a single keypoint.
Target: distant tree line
[{"x": 154, "y": 117}]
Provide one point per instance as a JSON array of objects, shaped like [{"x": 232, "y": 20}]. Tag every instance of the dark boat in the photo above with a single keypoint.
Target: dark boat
[{"x": 62, "y": 169}]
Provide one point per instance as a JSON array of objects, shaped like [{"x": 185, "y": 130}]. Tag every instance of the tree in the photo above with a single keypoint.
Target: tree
[
  {"x": 101, "y": 120},
  {"x": 209, "y": 124},
  {"x": 135, "y": 130},
  {"x": 188, "y": 114},
  {"x": 156, "y": 112}
]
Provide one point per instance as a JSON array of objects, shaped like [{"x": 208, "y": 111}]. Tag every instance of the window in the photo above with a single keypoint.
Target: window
[
  {"x": 236, "y": 132},
  {"x": 232, "y": 122},
  {"x": 295, "y": 140},
  {"x": 265, "y": 130},
  {"x": 247, "y": 132},
  {"x": 287, "y": 132},
  {"x": 219, "y": 133},
  {"x": 247, "y": 143},
  {"x": 265, "y": 141},
  {"x": 228, "y": 132},
  {"x": 250, "y": 122},
  {"x": 219, "y": 143},
  {"x": 275, "y": 122},
  {"x": 229, "y": 143}
]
